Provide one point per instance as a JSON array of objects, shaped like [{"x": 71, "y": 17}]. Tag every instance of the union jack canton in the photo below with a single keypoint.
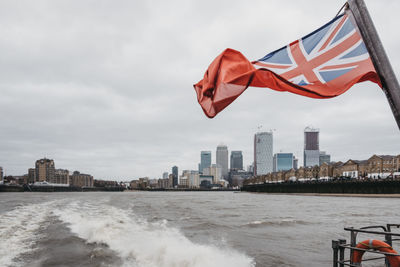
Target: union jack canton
[{"x": 328, "y": 56}]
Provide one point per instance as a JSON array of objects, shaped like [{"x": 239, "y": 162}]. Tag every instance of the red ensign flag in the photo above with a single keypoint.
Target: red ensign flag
[{"x": 323, "y": 64}]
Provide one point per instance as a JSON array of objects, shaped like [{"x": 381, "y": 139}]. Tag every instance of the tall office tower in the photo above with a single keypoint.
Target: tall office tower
[
  {"x": 205, "y": 160},
  {"x": 263, "y": 155},
  {"x": 175, "y": 176},
  {"x": 236, "y": 160},
  {"x": 45, "y": 170},
  {"x": 323, "y": 157},
  {"x": 165, "y": 175},
  {"x": 222, "y": 160},
  {"x": 283, "y": 161},
  {"x": 311, "y": 147}
]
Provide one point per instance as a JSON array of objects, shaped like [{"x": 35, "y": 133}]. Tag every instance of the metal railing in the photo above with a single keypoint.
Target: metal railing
[{"x": 340, "y": 246}]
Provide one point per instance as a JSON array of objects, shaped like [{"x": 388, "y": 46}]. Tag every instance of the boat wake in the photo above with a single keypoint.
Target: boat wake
[
  {"x": 141, "y": 243},
  {"x": 20, "y": 231}
]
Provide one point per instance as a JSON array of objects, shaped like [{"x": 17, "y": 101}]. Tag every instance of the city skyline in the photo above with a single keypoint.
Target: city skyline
[
  {"x": 207, "y": 156},
  {"x": 87, "y": 96}
]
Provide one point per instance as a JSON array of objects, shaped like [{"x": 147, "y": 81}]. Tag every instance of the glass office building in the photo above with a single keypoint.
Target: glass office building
[{"x": 283, "y": 161}]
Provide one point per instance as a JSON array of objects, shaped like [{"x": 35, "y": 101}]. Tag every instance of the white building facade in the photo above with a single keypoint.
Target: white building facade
[
  {"x": 222, "y": 160},
  {"x": 263, "y": 153}
]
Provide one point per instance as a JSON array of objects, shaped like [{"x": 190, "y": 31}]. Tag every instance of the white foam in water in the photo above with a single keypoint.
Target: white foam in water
[
  {"x": 143, "y": 244},
  {"x": 18, "y": 231}
]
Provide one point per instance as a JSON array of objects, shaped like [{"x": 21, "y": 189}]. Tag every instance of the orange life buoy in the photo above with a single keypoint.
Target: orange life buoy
[{"x": 378, "y": 245}]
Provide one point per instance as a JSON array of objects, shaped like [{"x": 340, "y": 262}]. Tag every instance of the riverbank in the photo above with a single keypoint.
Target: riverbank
[
  {"x": 33, "y": 188},
  {"x": 337, "y": 195},
  {"x": 357, "y": 187}
]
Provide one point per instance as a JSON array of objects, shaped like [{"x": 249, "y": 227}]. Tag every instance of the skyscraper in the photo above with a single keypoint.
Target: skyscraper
[
  {"x": 263, "y": 153},
  {"x": 205, "y": 160},
  {"x": 236, "y": 160},
  {"x": 283, "y": 161},
  {"x": 311, "y": 147},
  {"x": 175, "y": 176},
  {"x": 165, "y": 175},
  {"x": 222, "y": 160}
]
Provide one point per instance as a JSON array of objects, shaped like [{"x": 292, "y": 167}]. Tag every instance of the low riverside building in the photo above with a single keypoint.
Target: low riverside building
[
  {"x": 81, "y": 180},
  {"x": 141, "y": 183},
  {"x": 377, "y": 166},
  {"x": 183, "y": 182},
  {"x": 105, "y": 183},
  {"x": 163, "y": 183}
]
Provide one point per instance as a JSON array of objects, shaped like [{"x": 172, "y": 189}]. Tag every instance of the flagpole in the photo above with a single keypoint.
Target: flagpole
[{"x": 390, "y": 85}]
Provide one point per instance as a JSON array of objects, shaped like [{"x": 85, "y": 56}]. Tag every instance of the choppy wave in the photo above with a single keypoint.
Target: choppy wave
[
  {"x": 144, "y": 244},
  {"x": 19, "y": 231},
  {"x": 283, "y": 222}
]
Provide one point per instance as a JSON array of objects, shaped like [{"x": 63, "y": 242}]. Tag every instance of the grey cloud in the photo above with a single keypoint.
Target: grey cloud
[{"x": 105, "y": 87}]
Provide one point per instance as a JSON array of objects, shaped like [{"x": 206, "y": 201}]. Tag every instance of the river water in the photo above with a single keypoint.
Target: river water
[{"x": 180, "y": 229}]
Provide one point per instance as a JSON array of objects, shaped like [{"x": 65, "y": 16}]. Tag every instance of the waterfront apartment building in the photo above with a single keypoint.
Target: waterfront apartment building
[
  {"x": 263, "y": 153},
  {"x": 31, "y": 175},
  {"x": 174, "y": 176},
  {"x": 205, "y": 160},
  {"x": 81, "y": 180},
  {"x": 283, "y": 162},
  {"x": 236, "y": 160},
  {"x": 192, "y": 178},
  {"x": 311, "y": 147},
  {"x": 44, "y": 170},
  {"x": 222, "y": 160},
  {"x": 61, "y": 177}
]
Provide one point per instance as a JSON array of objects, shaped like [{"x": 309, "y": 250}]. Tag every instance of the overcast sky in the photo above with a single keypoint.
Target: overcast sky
[{"x": 105, "y": 87}]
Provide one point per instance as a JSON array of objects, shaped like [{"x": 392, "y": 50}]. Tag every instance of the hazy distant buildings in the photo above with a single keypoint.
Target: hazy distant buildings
[
  {"x": 263, "y": 153},
  {"x": 205, "y": 160},
  {"x": 175, "y": 176},
  {"x": 324, "y": 158},
  {"x": 215, "y": 171},
  {"x": 165, "y": 175},
  {"x": 236, "y": 177},
  {"x": 311, "y": 147},
  {"x": 222, "y": 160},
  {"x": 236, "y": 160},
  {"x": 205, "y": 180},
  {"x": 44, "y": 170},
  {"x": 295, "y": 163},
  {"x": 250, "y": 168},
  {"x": 1, "y": 173},
  {"x": 283, "y": 161}
]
